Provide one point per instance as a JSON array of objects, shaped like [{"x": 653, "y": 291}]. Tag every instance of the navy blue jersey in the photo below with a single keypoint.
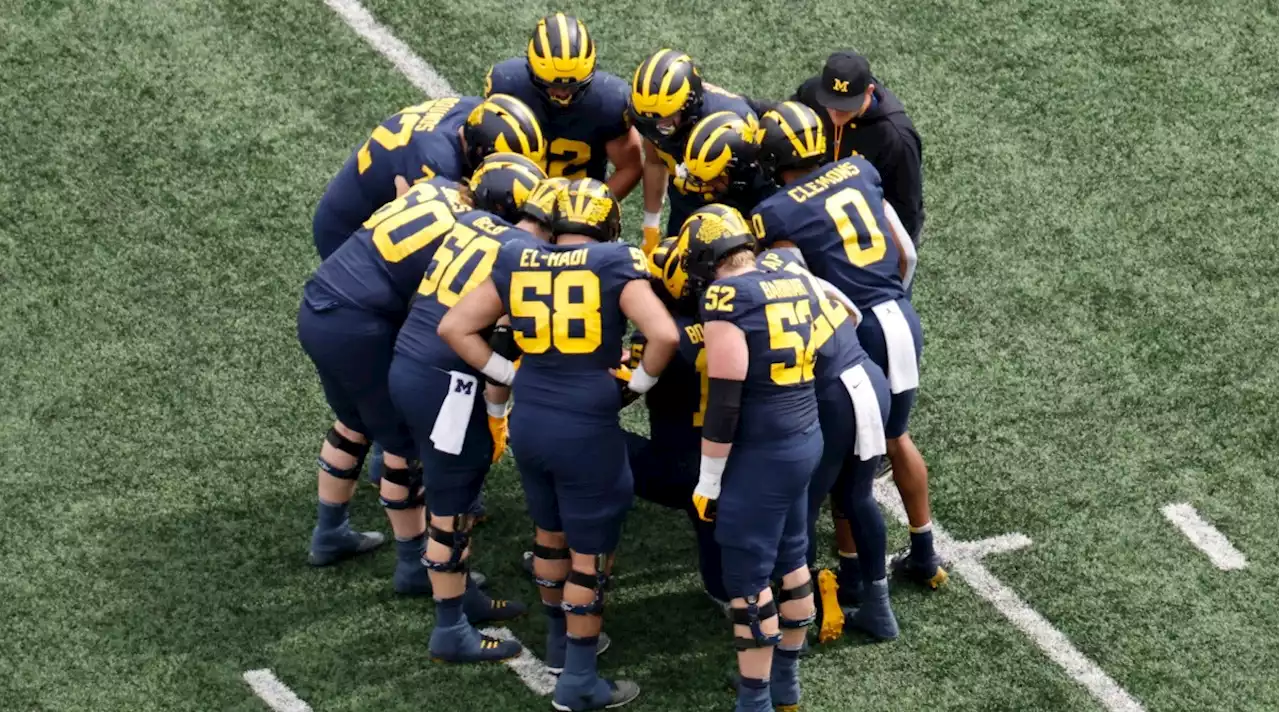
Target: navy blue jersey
[
  {"x": 463, "y": 259},
  {"x": 835, "y": 215},
  {"x": 776, "y": 312},
  {"x": 419, "y": 142},
  {"x": 678, "y": 402},
  {"x": 564, "y": 306},
  {"x": 835, "y": 336},
  {"x": 576, "y": 134},
  {"x": 671, "y": 148},
  {"x": 380, "y": 266}
]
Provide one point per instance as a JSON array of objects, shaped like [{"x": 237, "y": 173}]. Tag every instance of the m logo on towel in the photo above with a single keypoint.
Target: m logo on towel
[{"x": 463, "y": 386}]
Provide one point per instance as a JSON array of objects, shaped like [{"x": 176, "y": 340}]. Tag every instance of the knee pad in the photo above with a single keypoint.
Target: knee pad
[
  {"x": 457, "y": 542},
  {"x": 410, "y": 478},
  {"x": 549, "y": 553},
  {"x": 795, "y": 594},
  {"x": 351, "y": 447},
  {"x": 752, "y": 616},
  {"x": 596, "y": 583}
]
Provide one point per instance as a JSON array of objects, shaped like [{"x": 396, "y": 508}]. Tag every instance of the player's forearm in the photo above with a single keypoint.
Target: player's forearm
[
  {"x": 655, "y": 181},
  {"x": 624, "y": 180}
]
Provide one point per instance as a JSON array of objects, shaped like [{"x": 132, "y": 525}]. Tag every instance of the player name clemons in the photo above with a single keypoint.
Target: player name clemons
[
  {"x": 783, "y": 288},
  {"x": 533, "y": 258},
  {"x": 838, "y": 173}
]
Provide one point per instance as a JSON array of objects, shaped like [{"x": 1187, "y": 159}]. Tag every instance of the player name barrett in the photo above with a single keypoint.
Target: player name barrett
[
  {"x": 783, "y": 289},
  {"x": 534, "y": 258},
  {"x": 814, "y": 187}
]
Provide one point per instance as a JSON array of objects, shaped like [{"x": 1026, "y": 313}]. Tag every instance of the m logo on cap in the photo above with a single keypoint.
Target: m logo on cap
[{"x": 841, "y": 85}]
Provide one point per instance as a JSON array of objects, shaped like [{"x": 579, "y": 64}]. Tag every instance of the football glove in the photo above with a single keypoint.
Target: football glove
[{"x": 498, "y": 429}]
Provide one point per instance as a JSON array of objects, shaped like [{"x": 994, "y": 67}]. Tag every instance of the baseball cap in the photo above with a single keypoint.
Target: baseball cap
[{"x": 844, "y": 79}]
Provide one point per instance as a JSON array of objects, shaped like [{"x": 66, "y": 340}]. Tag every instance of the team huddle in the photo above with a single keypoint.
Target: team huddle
[{"x": 474, "y": 294}]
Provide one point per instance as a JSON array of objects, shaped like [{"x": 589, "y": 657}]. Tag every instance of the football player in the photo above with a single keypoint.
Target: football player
[
  {"x": 720, "y": 161},
  {"x": 458, "y": 423},
  {"x": 351, "y": 311},
  {"x": 665, "y": 465},
  {"x": 442, "y": 137},
  {"x": 583, "y": 111},
  {"x": 835, "y": 218},
  {"x": 568, "y": 301},
  {"x": 760, "y": 444},
  {"x": 668, "y": 97},
  {"x": 853, "y": 407}
]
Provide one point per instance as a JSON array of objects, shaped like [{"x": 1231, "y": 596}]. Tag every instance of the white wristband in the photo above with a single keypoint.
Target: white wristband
[
  {"x": 710, "y": 471},
  {"x": 496, "y": 410},
  {"x": 499, "y": 368},
  {"x": 641, "y": 381},
  {"x": 652, "y": 219}
]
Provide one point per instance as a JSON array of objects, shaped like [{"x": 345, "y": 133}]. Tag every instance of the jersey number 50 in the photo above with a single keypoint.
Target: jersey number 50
[
  {"x": 838, "y": 208},
  {"x": 551, "y": 323}
]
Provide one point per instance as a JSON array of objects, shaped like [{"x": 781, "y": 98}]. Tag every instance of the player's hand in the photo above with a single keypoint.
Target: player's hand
[
  {"x": 402, "y": 186},
  {"x": 652, "y": 236},
  {"x": 498, "y": 429},
  {"x": 705, "y": 498}
]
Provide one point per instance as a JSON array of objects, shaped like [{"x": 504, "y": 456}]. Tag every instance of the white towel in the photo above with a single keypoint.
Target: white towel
[
  {"x": 450, "y": 430},
  {"x": 866, "y": 413},
  {"x": 903, "y": 372}
]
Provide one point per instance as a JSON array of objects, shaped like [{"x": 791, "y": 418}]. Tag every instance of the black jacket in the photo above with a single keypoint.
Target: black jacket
[{"x": 886, "y": 137}]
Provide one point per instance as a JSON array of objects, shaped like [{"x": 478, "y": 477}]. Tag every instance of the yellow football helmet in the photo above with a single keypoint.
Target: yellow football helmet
[
  {"x": 721, "y": 145},
  {"x": 790, "y": 137},
  {"x": 665, "y": 85},
  {"x": 503, "y": 183},
  {"x": 666, "y": 264},
  {"x": 503, "y": 123},
  {"x": 562, "y": 57}
]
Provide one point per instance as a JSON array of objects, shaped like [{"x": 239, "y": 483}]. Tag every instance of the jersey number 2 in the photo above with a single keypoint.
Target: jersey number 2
[
  {"x": 568, "y": 158},
  {"x": 551, "y": 323}
]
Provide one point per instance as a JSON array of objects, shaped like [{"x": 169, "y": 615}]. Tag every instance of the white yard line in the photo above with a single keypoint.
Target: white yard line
[
  {"x": 412, "y": 66},
  {"x": 966, "y": 561},
  {"x": 276, "y": 694},
  {"x": 965, "y": 555},
  {"x": 1205, "y": 537},
  {"x": 532, "y": 671}
]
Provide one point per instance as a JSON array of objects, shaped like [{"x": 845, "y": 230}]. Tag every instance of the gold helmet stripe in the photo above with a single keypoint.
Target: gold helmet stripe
[
  {"x": 562, "y": 24},
  {"x": 584, "y": 41},
  {"x": 543, "y": 46},
  {"x": 652, "y": 67}
]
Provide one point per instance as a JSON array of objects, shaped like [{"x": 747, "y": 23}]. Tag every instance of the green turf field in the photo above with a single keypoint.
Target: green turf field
[{"x": 1098, "y": 288}]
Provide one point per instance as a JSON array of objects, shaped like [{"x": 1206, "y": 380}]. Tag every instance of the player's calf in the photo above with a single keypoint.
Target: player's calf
[
  {"x": 922, "y": 564},
  {"x": 580, "y": 686},
  {"x": 796, "y": 612},
  {"x": 341, "y": 456},
  {"x": 755, "y": 635}
]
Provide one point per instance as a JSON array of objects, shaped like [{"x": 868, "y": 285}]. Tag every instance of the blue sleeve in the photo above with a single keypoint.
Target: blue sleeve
[
  {"x": 626, "y": 263},
  {"x": 613, "y": 111},
  {"x": 728, "y": 300}
]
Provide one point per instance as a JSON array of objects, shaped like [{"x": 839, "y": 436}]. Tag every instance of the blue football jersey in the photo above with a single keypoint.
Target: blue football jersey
[
  {"x": 677, "y": 403},
  {"x": 777, "y": 314},
  {"x": 835, "y": 336},
  {"x": 835, "y": 215},
  {"x": 576, "y": 134},
  {"x": 463, "y": 259},
  {"x": 380, "y": 267},
  {"x": 563, "y": 301},
  {"x": 420, "y": 142}
]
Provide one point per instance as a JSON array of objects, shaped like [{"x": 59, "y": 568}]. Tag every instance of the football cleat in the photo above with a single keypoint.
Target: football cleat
[
  {"x": 462, "y": 643},
  {"x": 831, "y": 616},
  {"x": 331, "y": 546},
  {"x": 930, "y": 573},
  {"x": 874, "y": 617},
  {"x": 603, "y": 695}
]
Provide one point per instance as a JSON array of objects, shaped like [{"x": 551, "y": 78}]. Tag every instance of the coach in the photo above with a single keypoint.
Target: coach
[{"x": 861, "y": 116}]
